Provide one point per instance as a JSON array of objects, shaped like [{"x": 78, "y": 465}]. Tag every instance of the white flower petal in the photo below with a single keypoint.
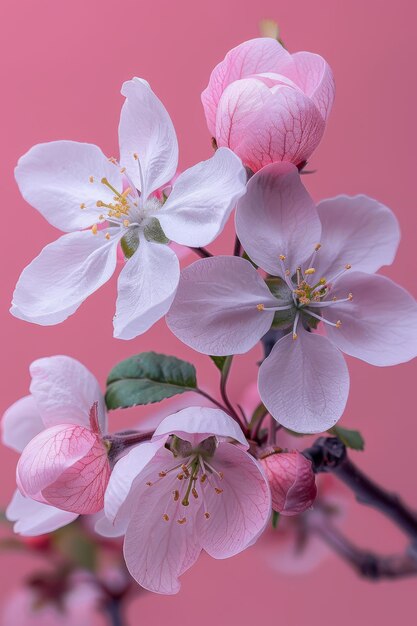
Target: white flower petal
[{"x": 62, "y": 276}]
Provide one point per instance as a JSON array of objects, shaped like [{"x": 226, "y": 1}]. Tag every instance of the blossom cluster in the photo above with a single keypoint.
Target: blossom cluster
[{"x": 205, "y": 478}]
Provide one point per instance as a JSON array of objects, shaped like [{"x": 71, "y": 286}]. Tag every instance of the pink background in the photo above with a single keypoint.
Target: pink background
[{"x": 62, "y": 65}]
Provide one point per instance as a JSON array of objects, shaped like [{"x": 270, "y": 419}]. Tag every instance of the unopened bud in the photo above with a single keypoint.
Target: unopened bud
[{"x": 291, "y": 480}]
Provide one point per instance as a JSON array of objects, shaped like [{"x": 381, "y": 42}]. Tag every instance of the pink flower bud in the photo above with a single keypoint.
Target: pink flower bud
[{"x": 291, "y": 480}]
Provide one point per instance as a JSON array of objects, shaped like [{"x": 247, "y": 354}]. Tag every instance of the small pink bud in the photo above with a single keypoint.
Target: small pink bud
[{"x": 291, "y": 480}]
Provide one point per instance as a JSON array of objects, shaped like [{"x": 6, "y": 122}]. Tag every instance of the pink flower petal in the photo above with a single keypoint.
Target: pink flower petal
[
  {"x": 146, "y": 288},
  {"x": 288, "y": 127},
  {"x": 379, "y": 325},
  {"x": 143, "y": 114},
  {"x": 215, "y": 308},
  {"x": 358, "y": 231},
  {"x": 55, "y": 179},
  {"x": 158, "y": 551},
  {"x": 239, "y": 513},
  {"x": 277, "y": 217},
  {"x": 33, "y": 518},
  {"x": 117, "y": 504},
  {"x": 304, "y": 383},
  {"x": 21, "y": 422},
  {"x": 292, "y": 482},
  {"x": 63, "y": 275},
  {"x": 202, "y": 199},
  {"x": 65, "y": 466},
  {"x": 251, "y": 57},
  {"x": 314, "y": 77},
  {"x": 64, "y": 391},
  {"x": 196, "y": 423}
]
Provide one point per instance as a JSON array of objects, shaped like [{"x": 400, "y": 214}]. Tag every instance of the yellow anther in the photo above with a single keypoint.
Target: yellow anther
[
  {"x": 317, "y": 247},
  {"x": 207, "y": 515},
  {"x": 218, "y": 490},
  {"x": 176, "y": 495},
  {"x": 91, "y": 179},
  {"x": 260, "y": 307},
  {"x": 112, "y": 160},
  {"x": 185, "y": 470},
  {"x": 334, "y": 299},
  {"x": 348, "y": 266},
  {"x": 180, "y": 476},
  {"x": 107, "y": 236},
  {"x": 82, "y": 205},
  {"x": 309, "y": 271},
  {"x": 165, "y": 517},
  {"x": 94, "y": 229},
  {"x": 350, "y": 296},
  {"x": 149, "y": 484},
  {"x": 162, "y": 474},
  {"x": 221, "y": 475},
  {"x": 294, "y": 336},
  {"x": 203, "y": 478},
  {"x": 126, "y": 223},
  {"x": 182, "y": 520},
  {"x": 194, "y": 492},
  {"x": 322, "y": 281},
  {"x": 99, "y": 203},
  {"x": 338, "y": 324},
  {"x": 135, "y": 156},
  {"x": 101, "y": 216},
  {"x": 282, "y": 257},
  {"x": 122, "y": 171}
]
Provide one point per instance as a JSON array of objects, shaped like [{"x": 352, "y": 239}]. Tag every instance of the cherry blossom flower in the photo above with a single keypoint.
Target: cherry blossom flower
[
  {"x": 58, "y": 428},
  {"x": 268, "y": 105},
  {"x": 188, "y": 489},
  {"x": 320, "y": 264},
  {"x": 101, "y": 203}
]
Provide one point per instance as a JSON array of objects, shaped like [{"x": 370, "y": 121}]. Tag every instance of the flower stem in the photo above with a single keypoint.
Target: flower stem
[
  {"x": 223, "y": 391},
  {"x": 113, "y": 610}
]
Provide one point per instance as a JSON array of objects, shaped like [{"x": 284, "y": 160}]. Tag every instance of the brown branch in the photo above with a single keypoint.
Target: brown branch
[
  {"x": 367, "y": 564},
  {"x": 328, "y": 454}
]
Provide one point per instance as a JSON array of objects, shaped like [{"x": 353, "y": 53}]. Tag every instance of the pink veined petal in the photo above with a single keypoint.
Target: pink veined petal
[
  {"x": 21, "y": 422},
  {"x": 55, "y": 179},
  {"x": 314, "y": 76},
  {"x": 379, "y": 325},
  {"x": 288, "y": 127},
  {"x": 241, "y": 511},
  {"x": 146, "y": 130},
  {"x": 64, "y": 391},
  {"x": 215, "y": 308},
  {"x": 291, "y": 480},
  {"x": 63, "y": 275},
  {"x": 65, "y": 466},
  {"x": 356, "y": 230},
  {"x": 146, "y": 288},
  {"x": 196, "y": 423},
  {"x": 304, "y": 383},
  {"x": 33, "y": 518},
  {"x": 117, "y": 504},
  {"x": 238, "y": 105},
  {"x": 202, "y": 199},
  {"x": 157, "y": 551},
  {"x": 277, "y": 217},
  {"x": 255, "y": 56}
]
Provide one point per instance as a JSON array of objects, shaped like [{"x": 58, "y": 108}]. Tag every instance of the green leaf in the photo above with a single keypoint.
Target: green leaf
[
  {"x": 275, "y": 519},
  {"x": 351, "y": 438},
  {"x": 148, "y": 377},
  {"x": 219, "y": 361}
]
